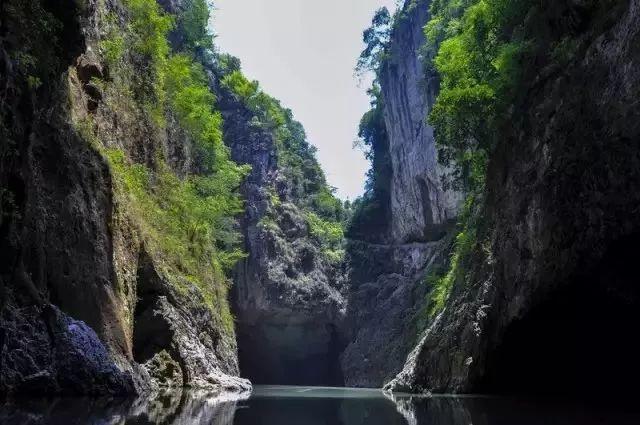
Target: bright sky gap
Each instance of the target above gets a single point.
(303, 53)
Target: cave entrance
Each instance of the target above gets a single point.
(290, 354)
(581, 341)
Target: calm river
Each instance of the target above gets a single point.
(279, 405)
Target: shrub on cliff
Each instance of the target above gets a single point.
(296, 158)
(186, 219)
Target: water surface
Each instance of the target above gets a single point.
(285, 405)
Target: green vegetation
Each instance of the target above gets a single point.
(329, 233)
(477, 48)
(186, 222)
(371, 211)
(148, 29)
(179, 220)
(478, 61)
(192, 26)
(466, 241)
(190, 100)
(486, 52)
(325, 214)
(483, 51)
(296, 157)
(375, 38)
(32, 36)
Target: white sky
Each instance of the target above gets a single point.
(303, 53)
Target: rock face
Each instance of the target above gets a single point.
(46, 351)
(386, 279)
(563, 196)
(387, 291)
(420, 205)
(55, 244)
(287, 296)
(177, 340)
(83, 303)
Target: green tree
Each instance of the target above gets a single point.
(371, 211)
(375, 38)
(478, 61)
(193, 25)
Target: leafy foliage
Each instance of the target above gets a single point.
(188, 222)
(483, 52)
(32, 34)
(190, 99)
(296, 157)
(478, 60)
(149, 27)
(296, 160)
(486, 52)
(375, 38)
(371, 211)
(193, 26)
(329, 233)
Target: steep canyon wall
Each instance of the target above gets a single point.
(560, 212)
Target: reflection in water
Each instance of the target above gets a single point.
(273, 405)
(178, 407)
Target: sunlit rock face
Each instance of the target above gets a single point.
(563, 191)
(420, 205)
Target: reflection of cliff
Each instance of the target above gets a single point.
(478, 410)
(432, 410)
(175, 408)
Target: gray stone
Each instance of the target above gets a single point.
(420, 204)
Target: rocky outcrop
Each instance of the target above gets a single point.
(55, 245)
(543, 310)
(45, 351)
(421, 206)
(287, 295)
(176, 338)
(387, 293)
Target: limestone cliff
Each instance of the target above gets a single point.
(92, 301)
(421, 206)
(387, 288)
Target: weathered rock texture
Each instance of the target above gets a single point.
(551, 308)
(386, 280)
(387, 293)
(82, 302)
(287, 295)
(420, 204)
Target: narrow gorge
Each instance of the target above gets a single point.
(165, 222)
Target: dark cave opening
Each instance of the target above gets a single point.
(152, 332)
(581, 340)
(290, 354)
